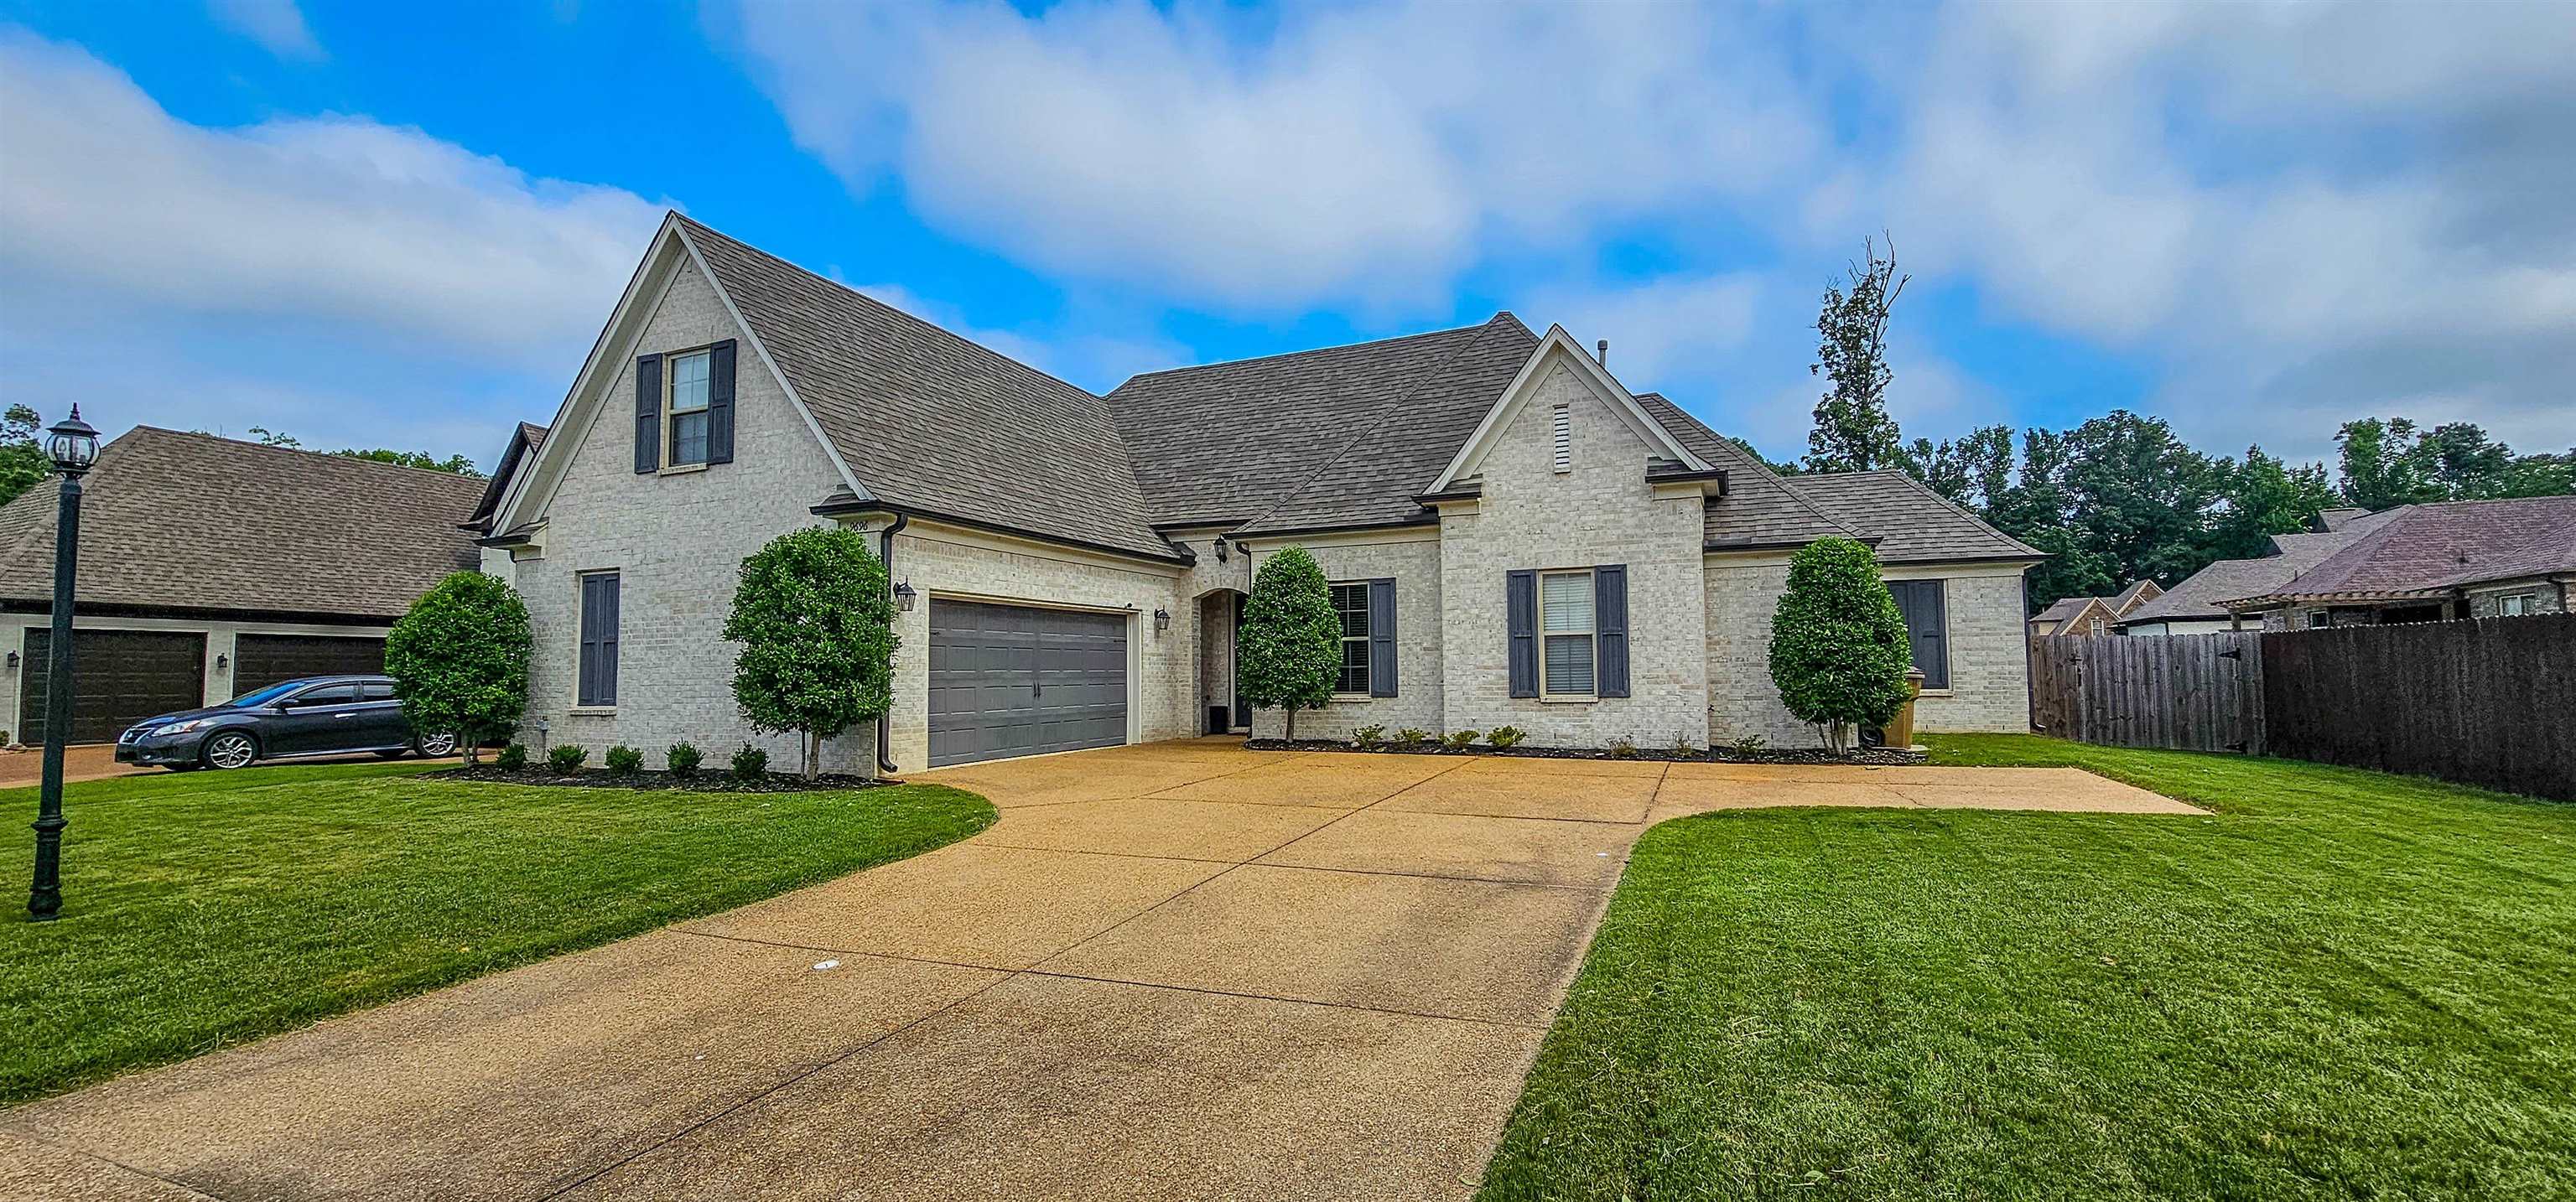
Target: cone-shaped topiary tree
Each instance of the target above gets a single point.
(1838, 648)
(459, 660)
(816, 625)
(1292, 640)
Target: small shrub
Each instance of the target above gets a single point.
(1682, 746)
(1505, 736)
(566, 758)
(1460, 740)
(1412, 735)
(1748, 746)
(623, 760)
(683, 759)
(750, 764)
(513, 758)
(1369, 736)
(1623, 748)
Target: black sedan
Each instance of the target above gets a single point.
(318, 715)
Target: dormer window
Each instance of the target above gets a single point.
(686, 409)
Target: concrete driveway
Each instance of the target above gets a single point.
(1180, 970)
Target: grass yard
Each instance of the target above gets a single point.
(207, 909)
(2340, 985)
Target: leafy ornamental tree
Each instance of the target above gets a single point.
(816, 624)
(23, 461)
(459, 660)
(458, 464)
(1838, 648)
(1853, 431)
(1292, 640)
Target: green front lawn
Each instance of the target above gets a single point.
(205, 909)
(2340, 984)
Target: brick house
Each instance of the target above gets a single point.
(2430, 563)
(2093, 615)
(1514, 538)
(210, 567)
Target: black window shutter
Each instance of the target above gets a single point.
(648, 413)
(1520, 607)
(608, 641)
(1381, 638)
(1921, 603)
(720, 402)
(1610, 625)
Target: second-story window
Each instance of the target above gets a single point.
(687, 416)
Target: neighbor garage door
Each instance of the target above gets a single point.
(120, 677)
(265, 659)
(1015, 680)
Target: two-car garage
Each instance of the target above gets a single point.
(1010, 680)
(124, 676)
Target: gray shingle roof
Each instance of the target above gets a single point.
(1910, 522)
(1251, 440)
(193, 521)
(523, 442)
(929, 421)
(1759, 508)
(2201, 595)
(2062, 609)
(2445, 545)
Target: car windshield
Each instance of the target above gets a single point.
(264, 696)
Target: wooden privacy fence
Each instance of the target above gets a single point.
(2196, 692)
(2489, 702)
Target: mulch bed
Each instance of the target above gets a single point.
(1881, 756)
(703, 782)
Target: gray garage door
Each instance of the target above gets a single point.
(265, 659)
(1010, 680)
(119, 677)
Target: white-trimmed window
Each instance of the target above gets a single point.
(2516, 606)
(2094, 626)
(1351, 605)
(1560, 433)
(1567, 645)
(685, 407)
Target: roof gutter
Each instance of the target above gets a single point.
(844, 505)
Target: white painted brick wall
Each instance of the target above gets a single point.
(1415, 568)
(677, 542)
(1989, 683)
(1601, 512)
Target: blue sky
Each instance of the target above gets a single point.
(368, 225)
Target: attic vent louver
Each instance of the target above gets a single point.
(1561, 432)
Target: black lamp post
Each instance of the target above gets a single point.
(74, 446)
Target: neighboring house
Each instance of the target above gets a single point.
(1513, 537)
(210, 567)
(2093, 615)
(2428, 563)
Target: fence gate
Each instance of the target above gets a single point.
(2190, 692)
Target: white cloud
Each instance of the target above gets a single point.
(1361, 155)
(354, 283)
(335, 219)
(276, 24)
(2306, 213)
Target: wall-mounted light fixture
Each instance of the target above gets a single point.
(220, 661)
(1220, 548)
(1162, 619)
(903, 596)
(13, 659)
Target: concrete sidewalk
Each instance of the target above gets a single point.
(1180, 970)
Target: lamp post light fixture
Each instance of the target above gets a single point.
(74, 447)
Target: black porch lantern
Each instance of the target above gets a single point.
(74, 447)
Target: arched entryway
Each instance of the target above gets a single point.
(1221, 708)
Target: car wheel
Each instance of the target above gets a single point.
(437, 746)
(231, 749)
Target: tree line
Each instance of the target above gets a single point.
(2121, 497)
